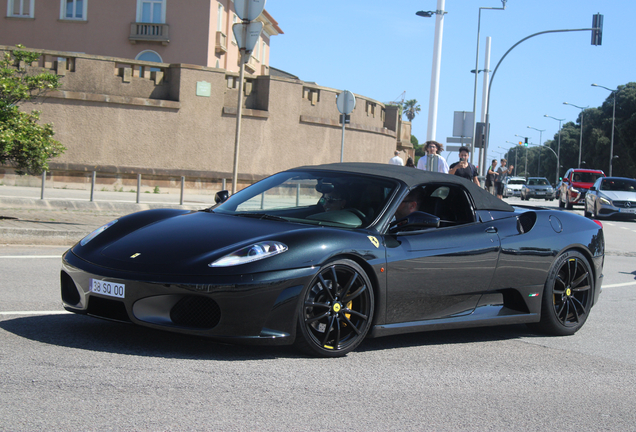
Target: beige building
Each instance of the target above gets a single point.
(122, 111)
(166, 31)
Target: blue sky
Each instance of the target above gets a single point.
(380, 49)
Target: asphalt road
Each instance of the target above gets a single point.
(60, 371)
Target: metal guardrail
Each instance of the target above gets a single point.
(138, 191)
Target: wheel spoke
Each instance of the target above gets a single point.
(328, 331)
(581, 289)
(345, 291)
(583, 310)
(349, 323)
(576, 313)
(310, 304)
(317, 318)
(355, 295)
(356, 313)
(325, 286)
(579, 280)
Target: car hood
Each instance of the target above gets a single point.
(183, 243)
(620, 195)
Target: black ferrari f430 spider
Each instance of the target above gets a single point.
(315, 256)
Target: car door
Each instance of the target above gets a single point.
(439, 272)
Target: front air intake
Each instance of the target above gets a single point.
(70, 294)
(196, 312)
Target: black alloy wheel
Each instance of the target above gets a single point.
(336, 310)
(568, 295)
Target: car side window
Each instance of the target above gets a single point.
(448, 202)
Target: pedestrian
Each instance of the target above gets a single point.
(409, 162)
(432, 161)
(491, 178)
(463, 168)
(396, 159)
(502, 172)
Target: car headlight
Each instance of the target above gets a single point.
(550, 190)
(251, 253)
(604, 200)
(97, 232)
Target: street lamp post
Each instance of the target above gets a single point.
(540, 144)
(581, 138)
(476, 71)
(437, 61)
(516, 152)
(558, 154)
(526, 167)
(613, 118)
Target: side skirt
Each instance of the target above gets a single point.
(482, 317)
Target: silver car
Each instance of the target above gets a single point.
(513, 186)
(537, 187)
(611, 196)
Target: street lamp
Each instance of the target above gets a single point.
(613, 117)
(437, 62)
(581, 139)
(526, 167)
(556, 179)
(540, 144)
(476, 71)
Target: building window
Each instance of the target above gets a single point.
(234, 19)
(219, 19)
(73, 9)
(149, 56)
(20, 8)
(151, 11)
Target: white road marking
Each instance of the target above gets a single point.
(618, 285)
(30, 256)
(57, 312)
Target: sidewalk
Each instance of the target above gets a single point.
(65, 216)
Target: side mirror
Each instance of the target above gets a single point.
(592, 188)
(413, 221)
(221, 196)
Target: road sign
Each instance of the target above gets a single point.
(463, 124)
(247, 34)
(452, 148)
(249, 9)
(346, 102)
(464, 140)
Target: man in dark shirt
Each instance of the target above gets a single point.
(463, 168)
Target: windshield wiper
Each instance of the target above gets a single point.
(262, 216)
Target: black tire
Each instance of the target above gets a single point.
(567, 296)
(586, 213)
(595, 212)
(335, 311)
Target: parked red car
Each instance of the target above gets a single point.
(575, 184)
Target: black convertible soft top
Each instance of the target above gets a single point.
(414, 177)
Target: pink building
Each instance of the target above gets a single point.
(195, 32)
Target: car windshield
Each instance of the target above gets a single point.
(313, 197)
(516, 181)
(619, 185)
(538, 182)
(586, 177)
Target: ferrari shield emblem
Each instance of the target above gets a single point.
(374, 240)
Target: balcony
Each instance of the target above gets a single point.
(149, 32)
(221, 42)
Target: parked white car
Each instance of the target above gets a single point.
(513, 186)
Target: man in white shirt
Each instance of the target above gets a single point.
(396, 160)
(432, 161)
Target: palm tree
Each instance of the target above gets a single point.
(410, 108)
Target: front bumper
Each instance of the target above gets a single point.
(256, 309)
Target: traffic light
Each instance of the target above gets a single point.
(597, 29)
(520, 143)
(526, 143)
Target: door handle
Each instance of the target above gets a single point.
(491, 230)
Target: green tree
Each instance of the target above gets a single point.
(24, 143)
(410, 108)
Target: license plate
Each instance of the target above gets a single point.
(628, 210)
(110, 289)
(540, 193)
